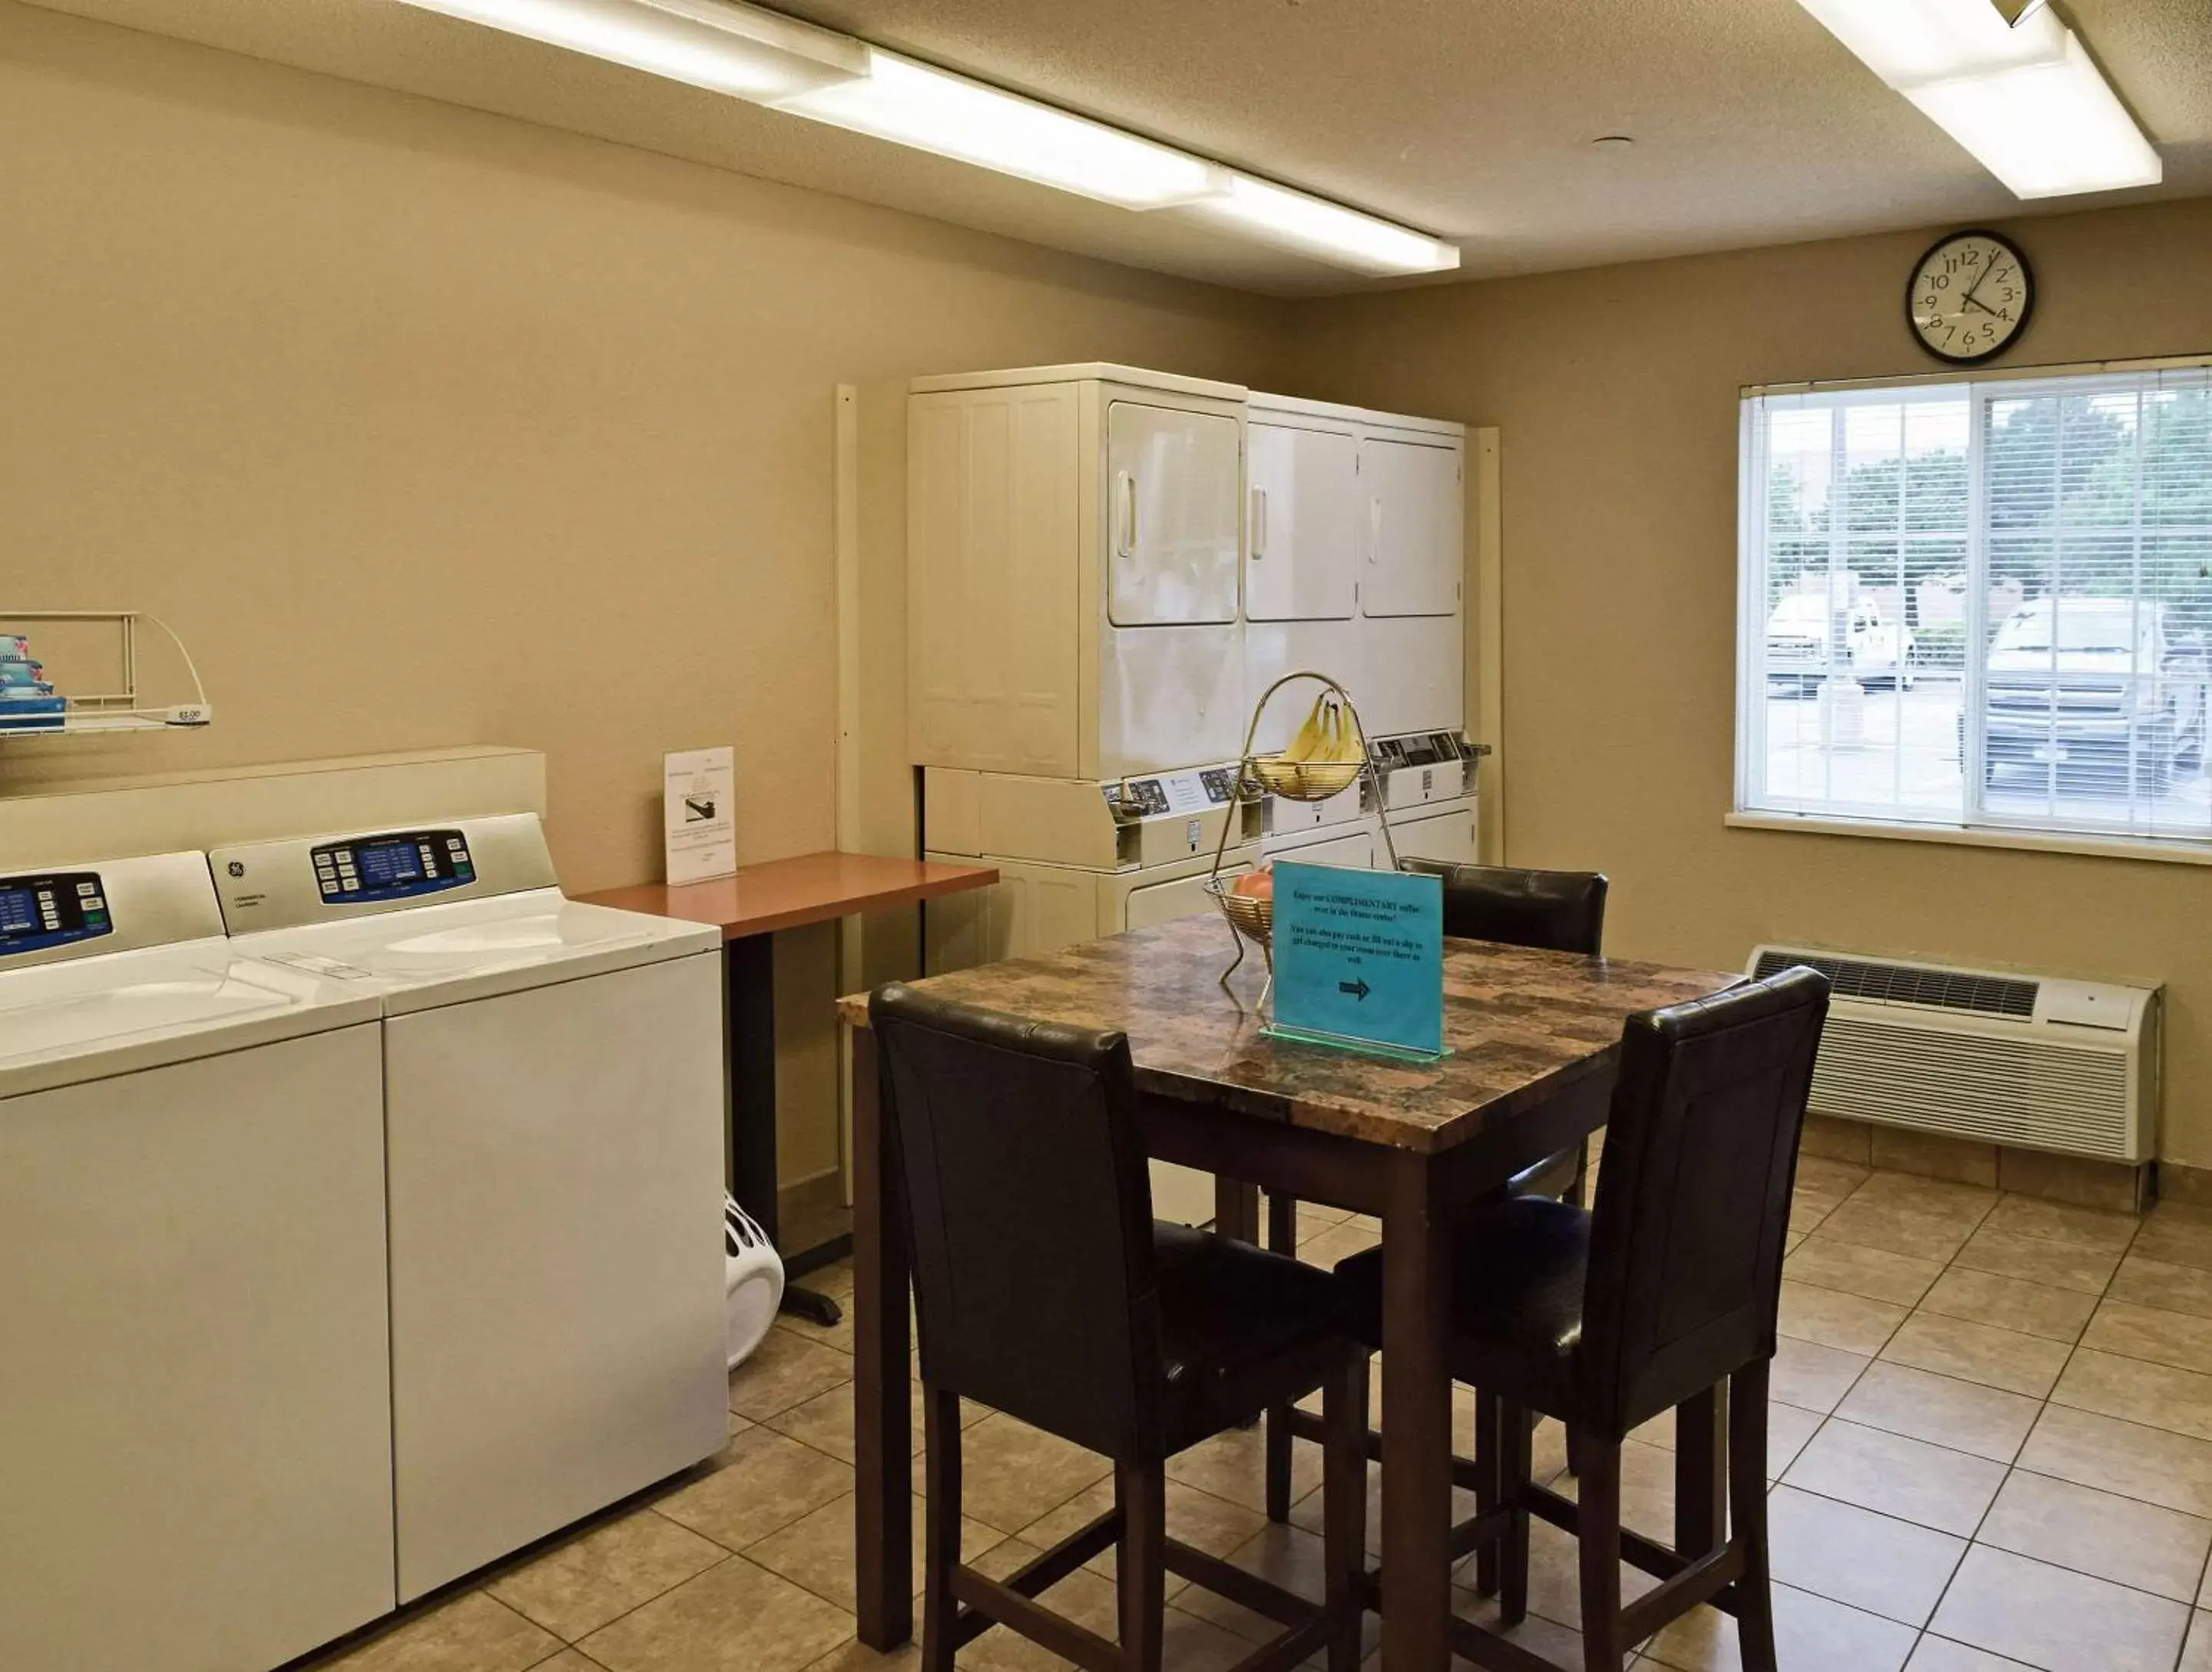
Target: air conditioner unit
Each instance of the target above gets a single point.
(2036, 1061)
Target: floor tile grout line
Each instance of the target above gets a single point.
(1981, 1521)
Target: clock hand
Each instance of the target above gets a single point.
(1974, 291)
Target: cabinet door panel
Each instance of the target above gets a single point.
(1446, 837)
(1172, 480)
(1302, 526)
(1415, 529)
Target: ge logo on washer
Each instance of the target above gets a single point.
(236, 867)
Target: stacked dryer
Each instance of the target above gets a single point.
(1106, 566)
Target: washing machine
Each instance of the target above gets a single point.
(195, 1419)
(554, 1109)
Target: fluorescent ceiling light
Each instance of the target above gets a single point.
(1338, 234)
(765, 57)
(737, 49)
(2024, 97)
(2045, 130)
(914, 104)
(1908, 41)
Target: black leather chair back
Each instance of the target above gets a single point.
(1694, 1199)
(1558, 911)
(1028, 1214)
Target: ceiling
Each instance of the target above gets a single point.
(1470, 119)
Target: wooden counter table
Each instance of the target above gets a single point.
(750, 908)
(1533, 1037)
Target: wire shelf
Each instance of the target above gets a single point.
(106, 713)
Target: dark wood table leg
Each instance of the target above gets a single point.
(882, 1393)
(1237, 1209)
(1701, 1472)
(1416, 1423)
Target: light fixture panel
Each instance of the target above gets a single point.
(2045, 130)
(933, 110)
(1906, 42)
(1343, 236)
(2009, 82)
(765, 57)
(741, 51)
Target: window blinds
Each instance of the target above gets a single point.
(1982, 603)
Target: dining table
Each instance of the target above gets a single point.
(1532, 1041)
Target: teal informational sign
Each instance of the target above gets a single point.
(1360, 957)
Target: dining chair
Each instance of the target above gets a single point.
(1558, 911)
(1045, 1288)
(1664, 1290)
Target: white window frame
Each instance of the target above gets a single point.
(1976, 826)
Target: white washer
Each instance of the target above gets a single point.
(553, 1111)
(195, 1417)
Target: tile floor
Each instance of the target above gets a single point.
(1991, 1446)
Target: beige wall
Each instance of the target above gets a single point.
(425, 426)
(1616, 389)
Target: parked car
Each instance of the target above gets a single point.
(1800, 637)
(2096, 686)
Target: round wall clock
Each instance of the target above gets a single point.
(1969, 297)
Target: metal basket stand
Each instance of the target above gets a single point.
(1259, 776)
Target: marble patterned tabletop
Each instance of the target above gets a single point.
(1520, 1025)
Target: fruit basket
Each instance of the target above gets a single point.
(1324, 759)
(1327, 757)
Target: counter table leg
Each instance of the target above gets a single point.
(883, 1392)
(751, 969)
(1417, 1417)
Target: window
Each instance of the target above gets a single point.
(1981, 604)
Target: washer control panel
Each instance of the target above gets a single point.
(399, 865)
(52, 909)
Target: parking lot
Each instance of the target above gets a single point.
(1905, 757)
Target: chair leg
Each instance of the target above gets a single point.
(1754, 1611)
(1489, 1465)
(1513, 1480)
(1142, 1492)
(941, 1527)
(1282, 1238)
(1577, 1191)
(1344, 1507)
(1599, 1519)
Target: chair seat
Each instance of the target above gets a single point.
(1518, 1272)
(1240, 1329)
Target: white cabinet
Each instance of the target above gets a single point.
(1172, 504)
(1303, 519)
(1415, 527)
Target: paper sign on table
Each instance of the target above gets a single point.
(699, 823)
(1359, 957)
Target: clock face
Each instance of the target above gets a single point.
(1969, 297)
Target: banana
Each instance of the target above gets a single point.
(1311, 740)
(1329, 736)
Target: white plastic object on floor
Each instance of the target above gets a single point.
(755, 1281)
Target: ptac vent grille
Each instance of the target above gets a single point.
(1909, 984)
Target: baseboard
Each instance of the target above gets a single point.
(811, 1213)
(2079, 1180)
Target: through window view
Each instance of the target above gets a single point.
(1981, 604)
